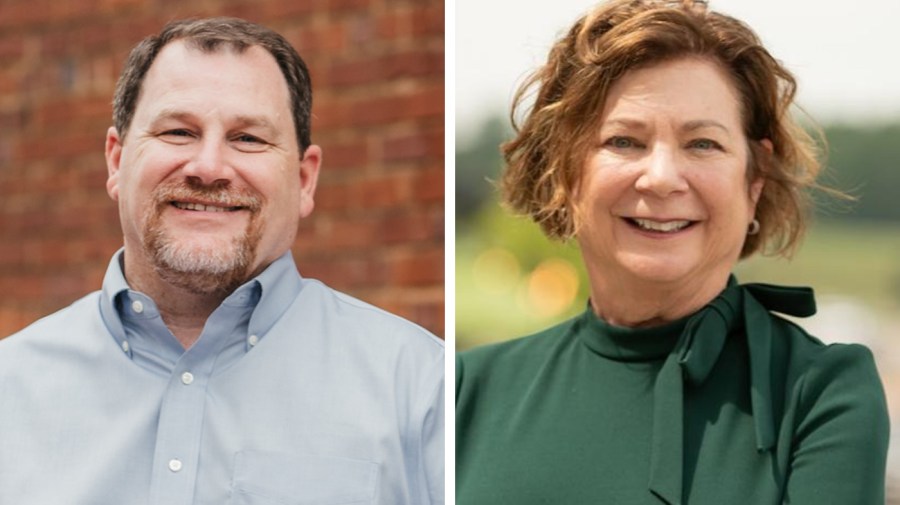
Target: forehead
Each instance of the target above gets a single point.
(686, 88)
(224, 81)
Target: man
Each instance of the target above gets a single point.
(207, 370)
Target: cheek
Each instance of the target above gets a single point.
(601, 187)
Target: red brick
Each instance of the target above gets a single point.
(421, 268)
(321, 40)
(413, 227)
(330, 114)
(364, 70)
(428, 20)
(120, 6)
(429, 186)
(414, 146)
(280, 11)
(19, 15)
(416, 63)
(348, 274)
(61, 146)
(343, 155)
(355, 72)
(347, 235)
(361, 32)
(12, 121)
(393, 25)
(391, 190)
(344, 5)
(11, 49)
(422, 102)
(332, 197)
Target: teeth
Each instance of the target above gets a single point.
(667, 226)
(201, 207)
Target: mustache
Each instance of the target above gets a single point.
(210, 194)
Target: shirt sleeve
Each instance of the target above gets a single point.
(432, 437)
(841, 432)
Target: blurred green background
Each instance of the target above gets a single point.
(511, 281)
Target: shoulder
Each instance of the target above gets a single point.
(57, 329)
(513, 360)
(809, 361)
(841, 375)
(56, 342)
(339, 315)
(828, 383)
(835, 429)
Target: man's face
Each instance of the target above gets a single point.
(209, 179)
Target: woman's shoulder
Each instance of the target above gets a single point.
(806, 354)
(524, 347)
(794, 352)
(514, 357)
(827, 377)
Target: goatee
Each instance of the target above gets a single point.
(203, 269)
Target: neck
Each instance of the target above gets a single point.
(638, 303)
(184, 311)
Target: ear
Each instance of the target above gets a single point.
(757, 185)
(309, 176)
(113, 159)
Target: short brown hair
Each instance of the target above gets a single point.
(210, 35)
(545, 159)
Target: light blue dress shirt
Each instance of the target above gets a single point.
(293, 394)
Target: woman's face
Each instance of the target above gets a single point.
(664, 195)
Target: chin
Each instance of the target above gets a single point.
(657, 267)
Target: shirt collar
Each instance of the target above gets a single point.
(273, 291)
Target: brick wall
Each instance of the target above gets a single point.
(377, 69)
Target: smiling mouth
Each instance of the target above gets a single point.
(660, 226)
(203, 208)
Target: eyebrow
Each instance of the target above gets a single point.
(257, 121)
(242, 120)
(626, 122)
(166, 114)
(689, 126)
(704, 123)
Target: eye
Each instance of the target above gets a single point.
(619, 142)
(177, 135)
(248, 139)
(248, 143)
(705, 144)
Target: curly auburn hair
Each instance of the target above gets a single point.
(546, 158)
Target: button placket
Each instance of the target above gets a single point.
(178, 433)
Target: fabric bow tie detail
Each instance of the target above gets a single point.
(738, 307)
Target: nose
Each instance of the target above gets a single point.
(209, 165)
(661, 173)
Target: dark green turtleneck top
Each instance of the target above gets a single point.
(731, 405)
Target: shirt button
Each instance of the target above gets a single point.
(175, 465)
(137, 306)
(187, 378)
(253, 340)
(125, 346)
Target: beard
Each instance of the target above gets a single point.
(214, 268)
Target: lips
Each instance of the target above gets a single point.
(190, 196)
(204, 207)
(660, 226)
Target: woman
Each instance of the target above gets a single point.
(660, 139)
